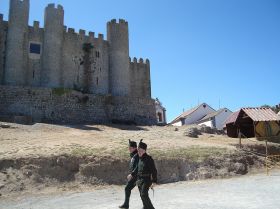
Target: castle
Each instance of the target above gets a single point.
(54, 57)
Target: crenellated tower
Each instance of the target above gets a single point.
(51, 75)
(117, 36)
(2, 48)
(17, 43)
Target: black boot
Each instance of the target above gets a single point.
(124, 206)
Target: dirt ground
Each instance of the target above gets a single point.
(39, 140)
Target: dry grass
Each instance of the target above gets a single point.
(46, 140)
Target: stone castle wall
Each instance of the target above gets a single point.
(68, 106)
(140, 75)
(36, 61)
(3, 34)
(68, 59)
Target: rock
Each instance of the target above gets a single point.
(28, 173)
(176, 129)
(238, 168)
(206, 129)
(192, 132)
(190, 176)
(5, 125)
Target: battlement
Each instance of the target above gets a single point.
(52, 6)
(82, 32)
(119, 22)
(19, 3)
(91, 35)
(71, 30)
(100, 36)
(36, 25)
(140, 61)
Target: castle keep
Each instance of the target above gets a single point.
(56, 57)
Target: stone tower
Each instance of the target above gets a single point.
(117, 36)
(17, 43)
(52, 46)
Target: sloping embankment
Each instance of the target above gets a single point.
(23, 174)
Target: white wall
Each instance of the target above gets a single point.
(208, 123)
(220, 119)
(198, 114)
(179, 123)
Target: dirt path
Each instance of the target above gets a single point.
(246, 192)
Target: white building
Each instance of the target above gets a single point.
(216, 119)
(193, 115)
(160, 112)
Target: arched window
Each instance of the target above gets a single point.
(159, 116)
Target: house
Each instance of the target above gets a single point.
(193, 115)
(160, 112)
(216, 119)
(262, 123)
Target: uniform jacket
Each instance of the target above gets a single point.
(146, 169)
(133, 162)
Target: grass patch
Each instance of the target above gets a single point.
(83, 151)
(194, 153)
(60, 91)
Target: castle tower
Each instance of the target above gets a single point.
(117, 35)
(17, 43)
(52, 46)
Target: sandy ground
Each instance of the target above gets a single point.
(46, 140)
(247, 192)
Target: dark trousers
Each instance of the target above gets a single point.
(144, 187)
(129, 186)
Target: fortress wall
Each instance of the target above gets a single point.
(3, 34)
(58, 106)
(140, 78)
(17, 43)
(71, 59)
(85, 68)
(36, 36)
(51, 74)
(118, 38)
(100, 67)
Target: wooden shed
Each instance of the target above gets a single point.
(262, 123)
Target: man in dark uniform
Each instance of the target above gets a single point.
(146, 175)
(131, 183)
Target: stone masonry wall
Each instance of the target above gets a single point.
(3, 34)
(140, 78)
(68, 106)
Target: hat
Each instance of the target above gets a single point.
(132, 143)
(142, 145)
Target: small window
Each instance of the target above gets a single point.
(97, 54)
(35, 48)
(97, 81)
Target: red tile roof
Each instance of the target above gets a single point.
(232, 118)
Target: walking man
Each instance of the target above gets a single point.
(131, 183)
(146, 175)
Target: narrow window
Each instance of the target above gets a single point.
(97, 81)
(35, 48)
(97, 54)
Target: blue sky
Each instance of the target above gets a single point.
(200, 50)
